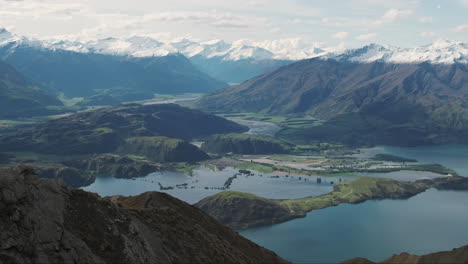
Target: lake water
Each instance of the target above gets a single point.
(452, 156)
(429, 222)
(403, 175)
(206, 182)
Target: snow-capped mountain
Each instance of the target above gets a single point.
(139, 46)
(125, 69)
(283, 49)
(439, 52)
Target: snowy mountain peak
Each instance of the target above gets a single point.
(6, 36)
(442, 51)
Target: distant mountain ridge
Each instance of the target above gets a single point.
(441, 51)
(242, 59)
(375, 102)
(78, 74)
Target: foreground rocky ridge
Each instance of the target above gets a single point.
(43, 221)
(243, 210)
(455, 256)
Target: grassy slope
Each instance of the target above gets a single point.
(245, 144)
(353, 192)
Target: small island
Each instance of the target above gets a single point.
(243, 210)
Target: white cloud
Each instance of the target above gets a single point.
(461, 28)
(388, 3)
(367, 37)
(393, 15)
(276, 31)
(427, 34)
(426, 19)
(341, 35)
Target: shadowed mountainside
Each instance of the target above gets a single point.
(87, 74)
(43, 221)
(19, 97)
(377, 102)
(143, 129)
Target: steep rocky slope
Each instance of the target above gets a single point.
(455, 256)
(374, 102)
(43, 221)
(19, 97)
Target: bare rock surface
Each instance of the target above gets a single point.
(43, 221)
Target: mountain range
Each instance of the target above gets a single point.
(371, 102)
(243, 59)
(80, 74)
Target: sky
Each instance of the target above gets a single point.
(347, 23)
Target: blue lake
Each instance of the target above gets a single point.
(452, 156)
(206, 182)
(429, 222)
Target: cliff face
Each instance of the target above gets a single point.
(43, 221)
(456, 256)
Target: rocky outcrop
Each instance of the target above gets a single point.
(72, 177)
(244, 210)
(455, 256)
(43, 221)
(245, 144)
